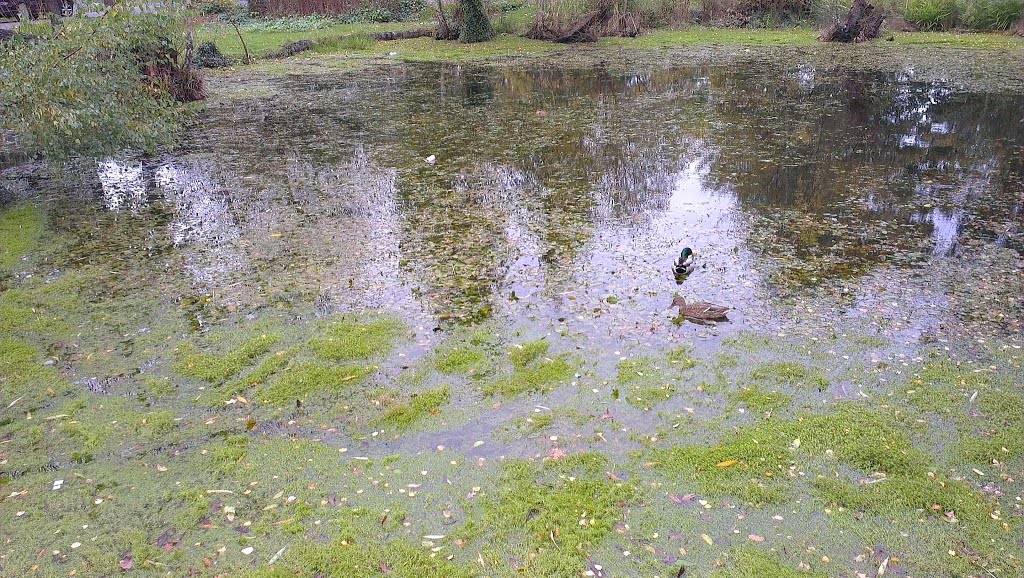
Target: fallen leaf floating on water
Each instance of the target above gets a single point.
(556, 453)
(681, 499)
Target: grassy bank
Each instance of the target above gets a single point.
(262, 42)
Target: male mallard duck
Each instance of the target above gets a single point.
(699, 311)
(684, 263)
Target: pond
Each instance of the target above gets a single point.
(864, 227)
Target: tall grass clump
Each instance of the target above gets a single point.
(991, 14)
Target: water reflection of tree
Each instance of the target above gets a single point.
(832, 171)
(531, 162)
(580, 146)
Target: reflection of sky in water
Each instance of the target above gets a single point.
(123, 184)
(946, 226)
(622, 173)
(203, 222)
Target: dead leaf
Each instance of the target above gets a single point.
(556, 454)
(755, 538)
(727, 463)
(126, 563)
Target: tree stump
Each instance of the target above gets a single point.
(862, 22)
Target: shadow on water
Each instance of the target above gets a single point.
(562, 193)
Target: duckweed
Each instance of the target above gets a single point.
(552, 515)
(462, 360)
(682, 357)
(25, 383)
(789, 373)
(20, 229)
(348, 340)
(749, 562)
(532, 377)
(760, 401)
(524, 354)
(300, 381)
(214, 368)
(753, 464)
(402, 416)
(644, 382)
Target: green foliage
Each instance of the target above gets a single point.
(476, 27)
(645, 383)
(947, 389)
(289, 24)
(349, 42)
(208, 7)
(362, 557)
(79, 90)
(525, 427)
(264, 371)
(966, 516)
(348, 340)
(931, 14)
(992, 14)
(20, 229)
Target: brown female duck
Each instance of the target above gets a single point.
(699, 311)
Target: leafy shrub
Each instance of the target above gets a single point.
(289, 24)
(992, 14)
(504, 6)
(217, 6)
(661, 12)
(369, 14)
(504, 25)
(932, 14)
